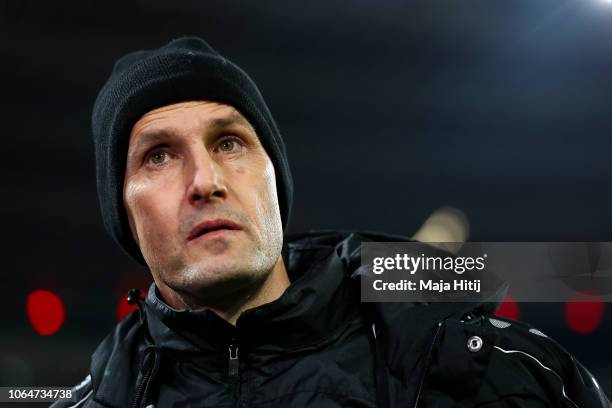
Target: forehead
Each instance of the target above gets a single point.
(190, 114)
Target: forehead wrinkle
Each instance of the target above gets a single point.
(227, 120)
(159, 114)
(139, 134)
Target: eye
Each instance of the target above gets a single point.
(230, 145)
(157, 157)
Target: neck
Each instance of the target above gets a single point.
(230, 308)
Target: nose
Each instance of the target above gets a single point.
(205, 178)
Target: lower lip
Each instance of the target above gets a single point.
(215, 233)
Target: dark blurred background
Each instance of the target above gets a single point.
(389, 109)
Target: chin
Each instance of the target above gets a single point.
(199, 269)
(209, 273)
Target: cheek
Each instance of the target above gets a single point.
(137, 198)
(150, 210)
(267, 201)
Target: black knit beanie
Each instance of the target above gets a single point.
(182, 70)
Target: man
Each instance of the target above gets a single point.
(193, 182)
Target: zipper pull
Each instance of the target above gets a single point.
(233, 364)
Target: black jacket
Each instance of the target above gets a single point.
(319, 346)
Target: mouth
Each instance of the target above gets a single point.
(213, 228)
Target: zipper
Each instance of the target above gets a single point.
(233, 364)
(149, 371)
(427, 363)
(233, 371)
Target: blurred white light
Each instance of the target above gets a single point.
(445, 225)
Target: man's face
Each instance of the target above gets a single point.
(200, 193)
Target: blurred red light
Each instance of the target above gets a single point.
(584, 317)
(45, 311)
(508, 309)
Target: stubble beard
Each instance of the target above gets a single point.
(218, 277)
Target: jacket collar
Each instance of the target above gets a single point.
(320, 283)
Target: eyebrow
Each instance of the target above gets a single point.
(163, 135)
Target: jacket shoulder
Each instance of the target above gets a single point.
(519, 361)
(110, 357)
